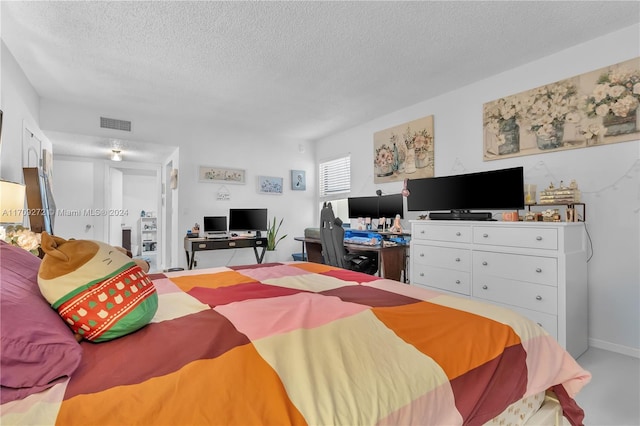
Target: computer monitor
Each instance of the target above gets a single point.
(215, 224)
(247, 219)
(391, 205)
(362, 207)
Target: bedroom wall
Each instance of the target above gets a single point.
(19, 103)
(608, 176)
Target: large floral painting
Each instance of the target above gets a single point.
(597, 108)
(404, 151)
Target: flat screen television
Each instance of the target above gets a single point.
(215, 224)
(501, 189)
(390, 205)
(247, 219)
(362, 207)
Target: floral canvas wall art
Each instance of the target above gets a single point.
(596, 108)
(270, 185)
(220, 175)
(404, 151)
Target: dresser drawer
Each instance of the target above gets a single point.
(547, 321)
(449, 233)
(535, 269)
(535, 297)
(445, 257)
(441, 278)
(539, 238)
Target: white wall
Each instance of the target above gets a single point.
(609, 176)
(258, 155)
(19, 102)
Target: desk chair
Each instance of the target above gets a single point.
(333, 250)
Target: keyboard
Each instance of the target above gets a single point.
(363, 241)
(216, 235)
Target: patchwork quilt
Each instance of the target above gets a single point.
(304, 343)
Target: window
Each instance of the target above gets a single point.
(335, 177)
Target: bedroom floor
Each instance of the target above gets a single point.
(612, 398)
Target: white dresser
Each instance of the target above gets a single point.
(538, 269)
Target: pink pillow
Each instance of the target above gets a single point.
(38, 349)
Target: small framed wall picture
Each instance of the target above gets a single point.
(220, 175)
(298, 180)
(270, 185)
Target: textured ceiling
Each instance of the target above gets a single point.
(294, 69)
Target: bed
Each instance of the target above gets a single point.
(283, 343)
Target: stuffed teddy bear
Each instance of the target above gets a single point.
(99, 291)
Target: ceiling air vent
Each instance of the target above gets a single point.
(112, 123)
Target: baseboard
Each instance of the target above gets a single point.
(613, 347)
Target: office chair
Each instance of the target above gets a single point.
(333, 250)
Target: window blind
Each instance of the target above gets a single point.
(335, 176)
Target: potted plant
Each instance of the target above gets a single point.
(272, 234)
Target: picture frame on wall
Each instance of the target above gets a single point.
(596, 108)
(214, 174)
(270, 185)
(298, 180)
(404, 151)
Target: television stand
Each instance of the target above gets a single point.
(460, 215)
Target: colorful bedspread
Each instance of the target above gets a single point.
(303, 343)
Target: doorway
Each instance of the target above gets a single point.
(167, 204)
(135, 206)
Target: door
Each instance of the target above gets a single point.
(74, 199)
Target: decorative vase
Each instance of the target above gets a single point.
(421, 161)
(594, 140)
(510, 130)
(384, 170)
(401, 160)
(619, 125)
(410, 161)
(553, 139)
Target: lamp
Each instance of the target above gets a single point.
(116, 155)
(11, 202)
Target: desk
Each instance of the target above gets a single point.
(192, 245)
(391, 259)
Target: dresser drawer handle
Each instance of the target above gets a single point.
(421, 254)
(458, 234)
(484, 287)
(484, 263)
(540, 325)
(422, 274)
(539, 238)
(457, 259)
(485, 235)
(457, 281)
(538, 297)
(538, 270)
(422, 231)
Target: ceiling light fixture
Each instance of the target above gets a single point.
(116, 155)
